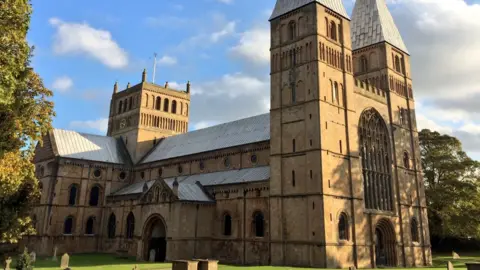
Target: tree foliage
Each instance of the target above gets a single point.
(451, 186)
(25, 116)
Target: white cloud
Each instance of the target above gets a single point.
(227, 30)
(62, 84)
(99, 125)
(225, 1)
(167, 61)
(203, 124)
(80, 38)
(254, 46)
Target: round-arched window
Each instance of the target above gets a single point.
(201, 165)
(142, 175)
(253, 158)
(122, 175)
(160, 172)
(180, 169)
(226, 162)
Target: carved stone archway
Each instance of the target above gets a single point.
(155, 239)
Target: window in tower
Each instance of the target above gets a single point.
(397, 64)
(343, 227)
(120, 106)
(165, 105)
(376, 162)
(292, 30)
(327, 29)
(174, 106)
(112, 224)
(72, 198)
(293, 178)
(414, 230)
(333, 30)
(227, 224)
(158, 103)
(335, 92)
(293, 146)
(130, 103)
(125, 105)
(406, 160)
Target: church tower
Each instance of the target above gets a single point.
(145, 113)
(311, 68)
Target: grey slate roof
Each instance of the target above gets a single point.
(240, 132)
(71, 144)
(190, 187)
(283, 7)
(372, 23)
(225, 177)
(135, 188)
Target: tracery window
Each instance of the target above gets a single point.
(333, 30)
(130, 225)
(343, 227)
(112, 224)
(291, 30)
(376, 161)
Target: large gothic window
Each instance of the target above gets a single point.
(375, 155)
(343, 227)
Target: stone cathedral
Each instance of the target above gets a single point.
(329, 178)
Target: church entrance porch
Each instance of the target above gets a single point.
(385, 244)
(155, 240)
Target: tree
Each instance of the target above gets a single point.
(25, 117)
(451, 186)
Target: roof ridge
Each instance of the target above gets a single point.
(82, 133)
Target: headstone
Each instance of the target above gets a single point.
(54, 258)
(135, 267)
(8, 261)
(65, 261)
(450, 266)
(455, 255)
(352, 268)
(33, 256)
(151, 257)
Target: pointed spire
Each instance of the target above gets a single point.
(144, 75)
(175, 187)
(128, 85)
(283, 7)
(188, 87)
(166, 84)
(115, 87)
(372, 23)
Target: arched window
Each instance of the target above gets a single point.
(186, 109)
(335, 92)
(406, 160)
(146, 100)
(72, 198)
(343, 227)
(158, 102)
(333, 31)
(112, 225)
(174, 106)
(227, 225)
(398, 67)
(327, 27)
(165, 105)
(414, 230)
(130, 225)
(376, 161)
(363, 64)
(291, 30)
(89, 226)
(181, 108)
(258, 224)
(94, 196)
(120, 106)
(68, 225)
(130, 103)
(125, 105)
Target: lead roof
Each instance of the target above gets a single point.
(283, 7)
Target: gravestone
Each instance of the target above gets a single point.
(8, 261)
(450, 266)
(135, 267)
(65, 261)
(33, 256)
(352, 268)
(151, 256)
(54, 258)
(455, 255)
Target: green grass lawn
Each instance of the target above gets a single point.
(101, 261)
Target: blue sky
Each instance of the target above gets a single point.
(221, 46)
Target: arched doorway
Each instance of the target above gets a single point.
(155, 240)
(385, 244)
